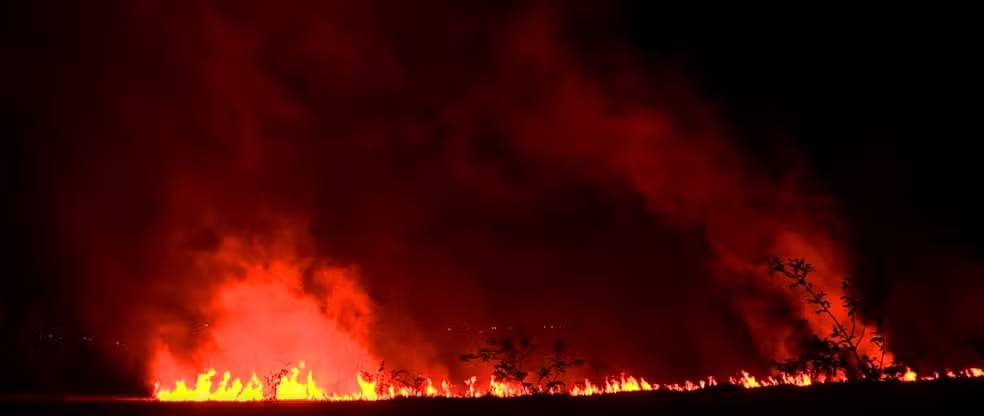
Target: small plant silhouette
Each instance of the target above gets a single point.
(402, 379)
(398, 379)
(548, 377)
(509, 355)
(273, 379)
(838, 352)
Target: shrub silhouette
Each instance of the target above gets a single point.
(839, 352)
(399, 379)
(510, 355)
(274, 378)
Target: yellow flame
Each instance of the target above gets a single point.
(300, 384)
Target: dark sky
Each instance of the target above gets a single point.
(874, 106)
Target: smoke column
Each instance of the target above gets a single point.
(374, 173)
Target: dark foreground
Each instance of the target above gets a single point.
(937, 397)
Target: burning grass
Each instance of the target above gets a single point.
(301, 385)
(847, 354)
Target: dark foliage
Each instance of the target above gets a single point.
(840, 351)
(273, 380)
(510, 356)
(399, 379)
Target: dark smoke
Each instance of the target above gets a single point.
(488, 164)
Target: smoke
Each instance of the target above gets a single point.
(275, 307)
(345, 181)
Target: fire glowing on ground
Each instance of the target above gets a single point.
(300, 384)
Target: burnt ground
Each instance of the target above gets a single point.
(937, 397)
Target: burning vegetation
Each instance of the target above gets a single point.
(331, 184)
(835, 358)
(291, 387)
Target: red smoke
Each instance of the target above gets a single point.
(439, 165)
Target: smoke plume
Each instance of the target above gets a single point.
(245, 183)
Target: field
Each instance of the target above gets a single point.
(942, 396)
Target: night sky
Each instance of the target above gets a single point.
(468, 191)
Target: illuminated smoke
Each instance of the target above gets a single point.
(435, 164)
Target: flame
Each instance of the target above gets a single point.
(296, 324)
(296, 387)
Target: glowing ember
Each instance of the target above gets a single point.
(300, 384)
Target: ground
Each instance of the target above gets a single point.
(944, 396)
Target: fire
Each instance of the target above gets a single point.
(300, 384)
(223, 392)
(264, 292)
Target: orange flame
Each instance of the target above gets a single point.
(265, 295)
(295, 387)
